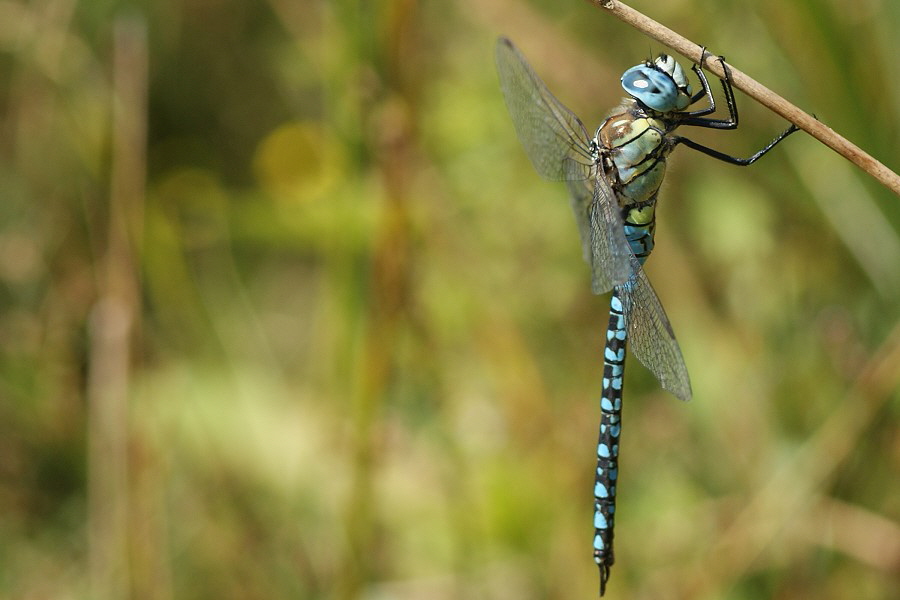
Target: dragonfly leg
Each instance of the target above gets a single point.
(742, 162)
(697, 120)
(705, 90)
(730, 123)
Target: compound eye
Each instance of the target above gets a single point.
(652, 87)
(639, 82)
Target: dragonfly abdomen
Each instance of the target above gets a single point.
(639, 227)
(608, 439)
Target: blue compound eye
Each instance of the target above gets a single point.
(653, 87)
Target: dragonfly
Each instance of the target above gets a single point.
(613, 179)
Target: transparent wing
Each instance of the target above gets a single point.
(581, 196)
(603, 242)
(548, 130)
(559, 148)
(650, 334)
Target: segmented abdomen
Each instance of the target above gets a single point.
(608, 441)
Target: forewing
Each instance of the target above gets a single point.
(549, 131)
(650, 334)
(559, 148)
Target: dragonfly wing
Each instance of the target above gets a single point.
(558, 145)
(581, 197)
(554, 138)
(603, 242)
(612, 261)
(650, 334)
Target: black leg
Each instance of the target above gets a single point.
(742, 162)
(704, 91)
(732, 121)
(696, 118)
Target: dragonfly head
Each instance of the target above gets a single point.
(661, 84)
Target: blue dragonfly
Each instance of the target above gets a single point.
(613, 180)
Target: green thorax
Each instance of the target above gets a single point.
(637, 149)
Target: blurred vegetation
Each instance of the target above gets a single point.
(319, 331)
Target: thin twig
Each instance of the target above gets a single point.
(115, 321)
(757, 91)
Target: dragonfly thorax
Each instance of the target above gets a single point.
(661, 85)
(635, 149)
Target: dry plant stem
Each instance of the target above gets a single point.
(115, 322)
(757, 91)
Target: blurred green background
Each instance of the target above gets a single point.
(286, 313)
